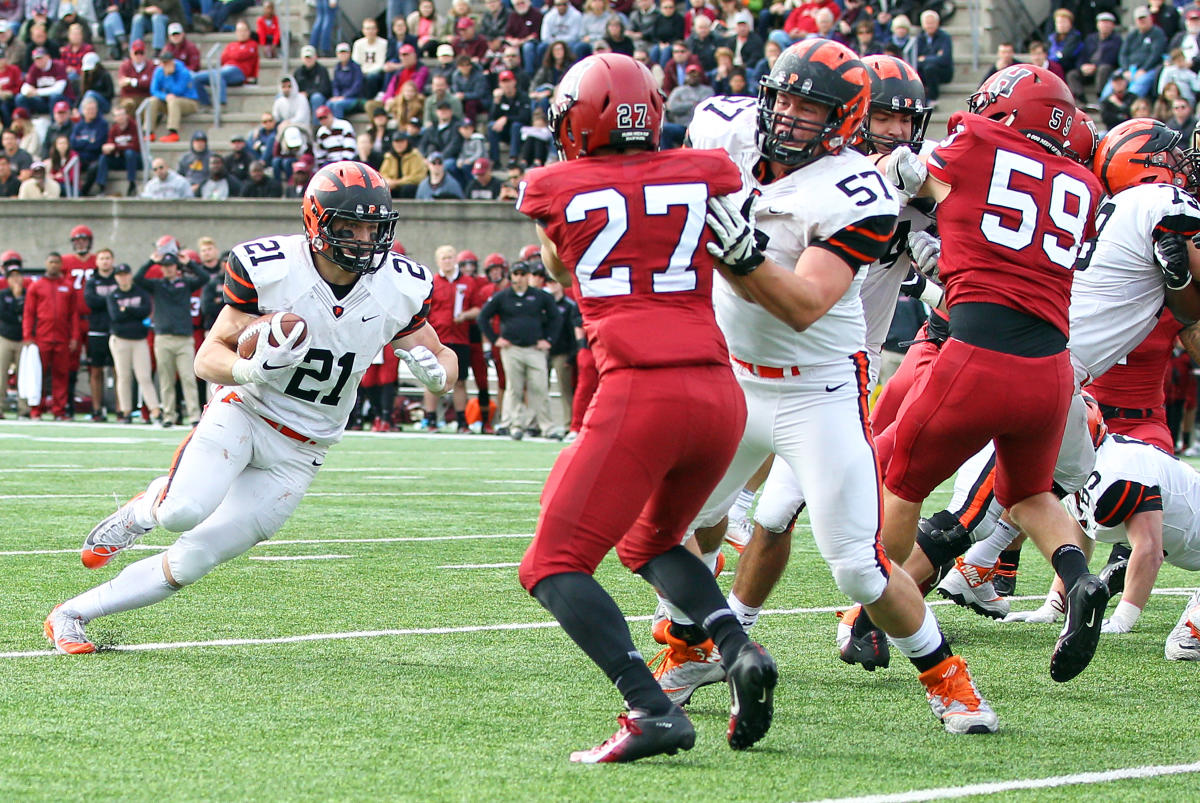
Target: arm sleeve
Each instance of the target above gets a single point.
(419, 319)
(139, 276)
(1123, 499)
(240, 292)
(862, 242)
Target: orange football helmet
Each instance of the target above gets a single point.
(1145, 151)
(349, 191)
(1097, 429)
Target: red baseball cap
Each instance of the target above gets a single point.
(323, 111)
(507, 75)
(62, 106)
(137, 46)
(464, 23)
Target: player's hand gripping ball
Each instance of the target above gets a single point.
(270, 345)
(278, 325)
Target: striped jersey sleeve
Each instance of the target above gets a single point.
(1123, 499)
(862, 242)
(240, 292)
(418, 320)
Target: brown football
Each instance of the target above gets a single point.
(278, 325)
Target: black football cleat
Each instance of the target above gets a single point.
(1113, 575)
(1005, 580)
(870, 649)
(752, 677)
(642, 735)
(1085, 614)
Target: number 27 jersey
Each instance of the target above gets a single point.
(631, 229)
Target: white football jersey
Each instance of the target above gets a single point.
(1118, 288)
(315, 397)
(809, 204)
(1126, 466)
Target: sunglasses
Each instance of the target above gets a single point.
(435, 161)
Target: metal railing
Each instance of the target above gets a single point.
(213, 59)
(145, 126)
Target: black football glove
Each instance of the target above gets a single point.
(1171, 254)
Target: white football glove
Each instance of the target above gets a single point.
(925, 250)
(425, 367)
(270, 361)
(1050, 612)
(736, 241)
(906, 171)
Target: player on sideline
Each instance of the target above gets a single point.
(627, 223)
(1006, 262)
(243, 470)
(794, 322)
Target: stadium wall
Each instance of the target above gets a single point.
(131, 226)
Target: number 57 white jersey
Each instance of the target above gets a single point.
(277, 274)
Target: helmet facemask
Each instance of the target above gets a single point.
(777, 131)
(351, 254)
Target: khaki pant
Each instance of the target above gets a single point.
(132, 358)
(565, 371)
(10, 355)
(176, 354)
(176, 109)
(526, 397)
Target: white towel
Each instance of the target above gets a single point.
(29, 375)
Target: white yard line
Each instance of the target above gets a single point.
(1053, 782)
(480, 565)
(310, 493)
(299, 557)
(289, 541)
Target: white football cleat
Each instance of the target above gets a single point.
(65, 632)
(681, 668)
(955, 700)
(738, 533)
(1184, 642)
(118, 531)
(971, 586)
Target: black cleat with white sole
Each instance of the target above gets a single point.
(641, 735)
(752, 677)
(1085, 614)
(870, 650)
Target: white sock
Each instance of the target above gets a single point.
(927, 638)
(143, 507)
(741, 505)
(710, 559)
(673, 613)
(746, 614)
(138, 585)
(987, 551)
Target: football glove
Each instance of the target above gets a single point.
(425, 368)
(906, 172)
(1123, 618)
(1050, 612)
(926, 250)
(1171, 254)
(270, 361)
(737, 243)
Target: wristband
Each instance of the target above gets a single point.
(1126, 614)
(932, 295)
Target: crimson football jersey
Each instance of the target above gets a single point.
(1014, 220)
(1137, 381)
(631, 229)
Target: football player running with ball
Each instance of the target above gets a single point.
(243, 470)
(626, 223)
(794, 321)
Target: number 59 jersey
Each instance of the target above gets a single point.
(839, 202)
(631, 229)
(1014, 221)
(277, 275)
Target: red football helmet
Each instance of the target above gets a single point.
(531, 250)
(494, 260)
(895, 87)
(1030, 99)
(398, 248)
(11, 257)
(1097, 429)
(81, 232)
(606, 100)
(1081, 141)
(466, 256)
(822, 71)
(1145, 151)
(189, 255)
(349, 191)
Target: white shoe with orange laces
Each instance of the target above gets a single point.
(681, 668)
(65, 632)
(118, 531)
(955, 700)
(971, 586)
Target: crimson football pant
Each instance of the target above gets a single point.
(916, 363)
(586, 380)
(639, 472)
(971, 396)
(57, 364)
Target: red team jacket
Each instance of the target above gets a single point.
(51, 315)
(1037, 207)
(449, 298)
(633, 228)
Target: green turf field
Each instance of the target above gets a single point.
(428, 673)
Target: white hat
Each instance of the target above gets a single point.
(90, 61)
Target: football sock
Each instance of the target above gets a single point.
(594, 622)
(1069, 563)
(690, 585)
(461, 417)
(746, 614)
(710, 559)
(689, 633)
(927, 647)
(987, 551)
(741, 505)
(674, 612)
(138, 585)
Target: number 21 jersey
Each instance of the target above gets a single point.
(1014, 220)
(631, 229)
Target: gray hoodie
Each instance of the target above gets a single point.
(292, 108)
